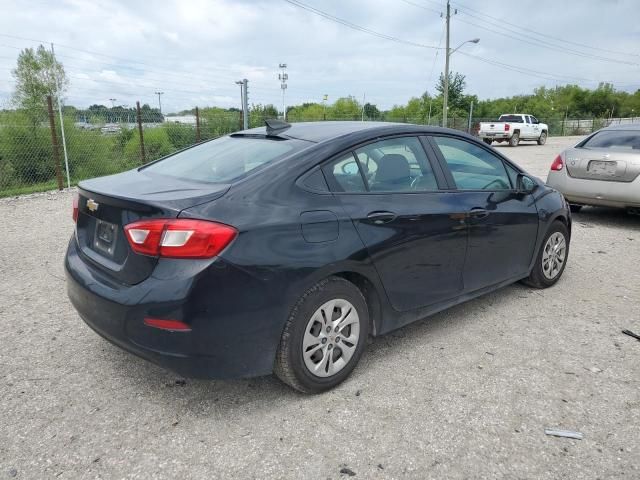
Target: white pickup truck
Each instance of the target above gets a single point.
(512, 128)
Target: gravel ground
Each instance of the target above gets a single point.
(465, 394)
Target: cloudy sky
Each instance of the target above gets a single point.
(195, 50)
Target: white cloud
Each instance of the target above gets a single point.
(194, 50)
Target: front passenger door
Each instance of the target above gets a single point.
(502, 223)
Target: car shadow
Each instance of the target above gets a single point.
(202, 397)
(589, 217)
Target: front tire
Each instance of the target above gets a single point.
(542, 139)
(514, 140)
(324, 337)
(551, 259)
(488, 141)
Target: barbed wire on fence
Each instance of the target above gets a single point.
(31, 156)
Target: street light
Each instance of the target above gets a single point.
(159, 101)
(445, 99)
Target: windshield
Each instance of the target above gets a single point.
(511, 118)
(614, 140)
(224, 159)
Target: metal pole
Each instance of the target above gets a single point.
(197, 125)
(364, 97)
(241, 83)
(64, 140)
(470, 117)
(445, 96)
(143, 156)
(283, 77)
(54, 143)
(245, 103)
(159, 101)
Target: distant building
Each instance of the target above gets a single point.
(182, 119)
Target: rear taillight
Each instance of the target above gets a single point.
(557, 164)
(75, 208)
(179, 238)
(506, 127)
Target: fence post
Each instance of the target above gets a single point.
(54, 143)
(139, 116)
(197, 125)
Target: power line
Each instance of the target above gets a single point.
(502, 21)
(354, 26)
(544, 44)
(409, 2)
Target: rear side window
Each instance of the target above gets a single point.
(345, 174)
(614, 140)
(473, 167)
(225, 159)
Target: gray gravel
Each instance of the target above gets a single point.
(465, 394)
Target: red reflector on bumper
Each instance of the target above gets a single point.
(172, 325)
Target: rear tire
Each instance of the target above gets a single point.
(575, 208)
(314, 355)
(542, 139)
(514, 140)
(551, 259)
(488, 141)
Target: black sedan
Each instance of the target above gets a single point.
(280, 249)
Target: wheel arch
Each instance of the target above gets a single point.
(370, 294)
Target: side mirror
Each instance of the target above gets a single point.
(524, 184)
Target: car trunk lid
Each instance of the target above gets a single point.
(107, 204)
(602, 164)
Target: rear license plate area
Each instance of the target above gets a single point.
(602, 168)
(105, 237)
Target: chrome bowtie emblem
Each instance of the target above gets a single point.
(92, 205)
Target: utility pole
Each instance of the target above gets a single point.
(445, 96)
(159, 101)
(283, 77)
(470, 118)
(113, 102)
(325, 97)
(364, 97)
(64, 140)
(244, 102)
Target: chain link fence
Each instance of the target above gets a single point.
(35, 155)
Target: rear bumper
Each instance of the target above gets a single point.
(229, 344)
(495, 136)
(596, 192)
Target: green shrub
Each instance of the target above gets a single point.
(156, 145)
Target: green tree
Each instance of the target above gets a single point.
(36, 74)
(371, 111)
(457, 84)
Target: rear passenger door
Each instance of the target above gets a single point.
(398, 202)
(503, 224)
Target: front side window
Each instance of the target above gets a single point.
(225, 159)
(473, 167)
(397, 165)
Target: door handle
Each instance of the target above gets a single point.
(381, 217)
(478, 213)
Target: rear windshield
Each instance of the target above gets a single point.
(614, 140)
(511, 118)
(224, 159)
